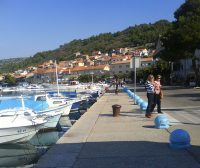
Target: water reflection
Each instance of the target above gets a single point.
(12, 155)
(17, 154)
(45, 138)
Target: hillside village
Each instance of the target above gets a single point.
(118, 62)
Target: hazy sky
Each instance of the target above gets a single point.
(31, 26)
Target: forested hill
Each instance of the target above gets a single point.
(133, 36)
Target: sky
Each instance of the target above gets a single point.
(31, 26)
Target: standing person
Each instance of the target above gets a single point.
(149, 86)
(116, 88)
(157, 86)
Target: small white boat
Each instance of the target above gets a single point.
(55, 103)
(8, 89)
(16, 128)
(35, 87)
(51, 114)
(51, 117)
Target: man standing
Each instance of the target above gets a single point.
(149, 86)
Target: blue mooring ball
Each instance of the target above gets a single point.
(136, 97)
(143, 106)
(161, 121)
(139, 101)
(132, 95)
(179, 138)
(125, 89)
(129, 93)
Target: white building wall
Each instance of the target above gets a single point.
(186, 65)
(120, 68)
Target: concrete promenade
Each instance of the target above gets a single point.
(99, 140)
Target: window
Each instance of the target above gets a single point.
(120, 66)
(127, 66)
(57, 102)
(120, 71)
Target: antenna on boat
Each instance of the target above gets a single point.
(57, 78)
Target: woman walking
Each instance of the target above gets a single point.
(149, 86)
(158, 97)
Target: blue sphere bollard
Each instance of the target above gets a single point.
(139, 101)
(143, 106)
(132, 95)
(129, 93)
(136, 97)
(161, 121)
(179, 139)
(124, 88)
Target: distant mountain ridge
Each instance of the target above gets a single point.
(10, 61)
(105, 42)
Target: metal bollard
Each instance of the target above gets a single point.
(116, 110)
(116, 91)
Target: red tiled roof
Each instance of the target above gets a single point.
(122, 62)
(147, 59)
(82, 68)
(87, 68)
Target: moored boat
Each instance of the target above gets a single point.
(16, 128)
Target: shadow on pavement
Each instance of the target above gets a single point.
(121, 154)
(186, 95)
(190, 123)
(122, 113)
(195, 99)
(171, 109)
(149, 126)
(106, 115)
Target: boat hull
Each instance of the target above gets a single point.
(18, 129)
(17, 134)
(64, 109)
(52, 121)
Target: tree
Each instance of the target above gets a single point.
(10, 80)
(184, 38)
(84, 78)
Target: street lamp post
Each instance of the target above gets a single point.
(57, 77)
(135, 63)
(92, 73)
(135, 78)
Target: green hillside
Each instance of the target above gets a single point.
(133, 36)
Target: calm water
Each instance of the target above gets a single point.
(12, 155)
